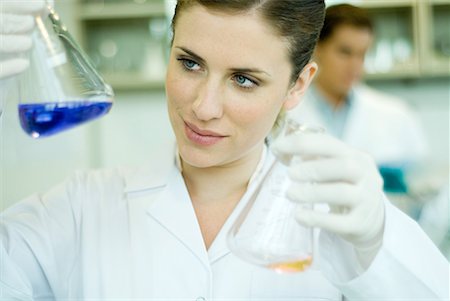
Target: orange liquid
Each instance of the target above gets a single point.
(291, 266)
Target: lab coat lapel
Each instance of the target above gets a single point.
(219, 248)
(173, 210)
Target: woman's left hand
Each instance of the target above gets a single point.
(347, 180)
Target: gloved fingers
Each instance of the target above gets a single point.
(342, 169)
(22, 6)
(15, 43)
(311, 145)
(14, 24)
(333, 194)
(13, 67)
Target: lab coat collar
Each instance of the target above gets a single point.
(152, 175)
(219, 247)
(323, 104)
(173, 210)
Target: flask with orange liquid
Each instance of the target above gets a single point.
(266, 232)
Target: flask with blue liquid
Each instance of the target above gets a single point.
(61, 89)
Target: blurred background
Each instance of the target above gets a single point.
(127, 41)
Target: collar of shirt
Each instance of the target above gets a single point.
(152, 175)
(172, 209)
(334, 118)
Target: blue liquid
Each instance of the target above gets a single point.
(46, 119)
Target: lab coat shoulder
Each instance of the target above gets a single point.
(378, 102)
(43, 236)
(407, 254)
(38, 236)
(63, 205)
(97, 197)
(385, 126)
(107, 187)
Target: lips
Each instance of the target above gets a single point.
(200, 136)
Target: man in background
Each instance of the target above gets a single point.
(378, 124)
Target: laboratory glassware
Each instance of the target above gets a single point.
(266, 232)
(61, 89)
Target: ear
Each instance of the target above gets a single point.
(300, 86)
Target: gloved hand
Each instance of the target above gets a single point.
(16, 25)
(347, 180)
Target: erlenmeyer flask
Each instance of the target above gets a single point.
(61, 89)
(266, 232)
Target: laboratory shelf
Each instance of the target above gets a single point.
(100, 11)
(440, 2)
(127, 41)
(385, 3)
(435, 37)
(411, 39)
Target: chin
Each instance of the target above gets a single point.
(196, 157)
(344, 89)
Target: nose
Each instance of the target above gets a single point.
(356, 65)
(358, 62)
(209, 105)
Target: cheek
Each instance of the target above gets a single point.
(171, 96)
(177, 90)
(256, 115)
(336, 62)
(175, 100)
(333, 66)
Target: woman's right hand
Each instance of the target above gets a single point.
(16, 26)
(345, 179)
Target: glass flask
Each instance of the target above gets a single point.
(61, 89)
(266, 232)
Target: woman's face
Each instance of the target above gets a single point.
(227, 80)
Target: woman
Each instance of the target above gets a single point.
(159, 233)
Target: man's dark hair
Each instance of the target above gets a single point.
(344, 14)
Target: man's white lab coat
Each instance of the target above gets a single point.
(123, 235)
(377, 123)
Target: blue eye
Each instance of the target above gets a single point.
(244, 82)
(189, 65)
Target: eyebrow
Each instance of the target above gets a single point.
(236, 70)
(193, 54)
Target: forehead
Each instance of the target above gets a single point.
(230, 15)
(352, 35)
(246, 37)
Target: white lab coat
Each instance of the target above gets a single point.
(133, 234)
(377, 123)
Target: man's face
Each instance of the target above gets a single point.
(341, 58)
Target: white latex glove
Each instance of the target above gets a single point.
(16, 26)
(347, 180)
